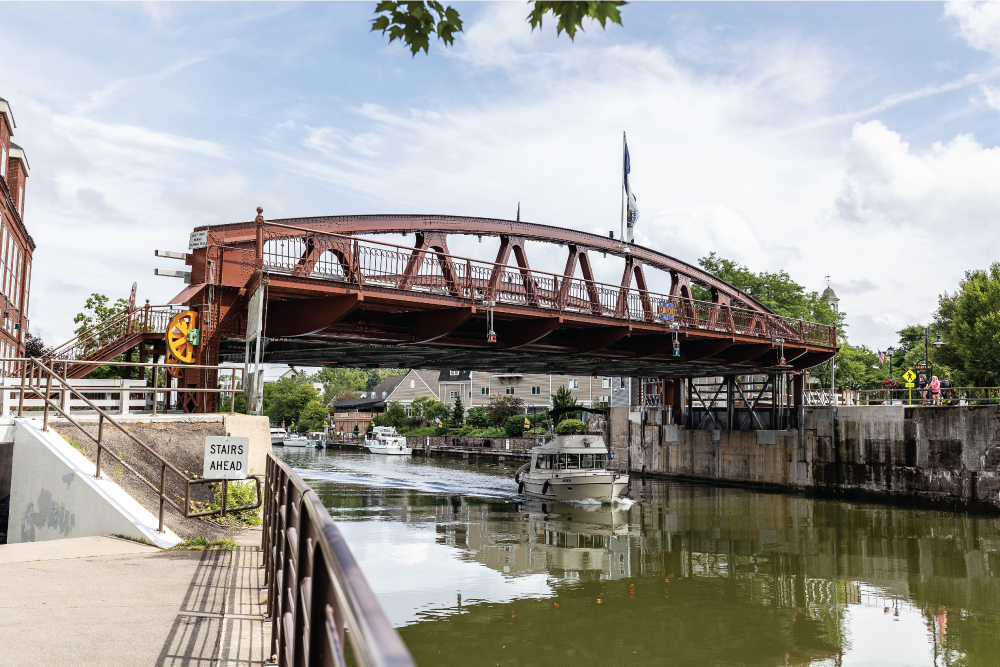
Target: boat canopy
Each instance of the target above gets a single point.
(572, 444)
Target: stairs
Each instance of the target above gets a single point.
(119, 334)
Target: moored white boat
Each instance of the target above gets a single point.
(297, 440)
(278, 435)
(571, 467)
(385, 440)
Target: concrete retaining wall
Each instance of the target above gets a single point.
(55, 495)
(942, 453)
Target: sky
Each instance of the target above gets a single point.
(851, 140)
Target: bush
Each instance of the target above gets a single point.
(502, 407)
(473, 432)
(424, 430)
(476, 418)
(514, 426)
(569, 427)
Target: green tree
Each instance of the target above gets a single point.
(563, 398)
(458, 411)
(395, 415)
(428, 408)
(477, 417)
(285, 399)
(971, 320)
(339, 382)
(415, 22)
(514, 426)
(777, 291)
(312, 416)
(96, 312)
(241, 403)
(502, 407)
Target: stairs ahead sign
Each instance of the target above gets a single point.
(226, 457)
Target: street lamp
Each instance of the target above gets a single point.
(938, 343)
(888, 353)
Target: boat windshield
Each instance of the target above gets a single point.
(543, 462)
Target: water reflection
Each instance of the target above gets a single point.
(689, 574)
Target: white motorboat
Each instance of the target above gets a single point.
(571, 467)
(385, 440)
(297, 440)
(278, 435)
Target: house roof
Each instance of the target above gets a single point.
(388, 385)
(463, 376)
(359, 404)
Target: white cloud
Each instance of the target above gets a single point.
(978, 23)
(906, 225)
(992, 96)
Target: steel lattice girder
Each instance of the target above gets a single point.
(336, 298)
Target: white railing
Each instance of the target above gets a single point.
(114, 396)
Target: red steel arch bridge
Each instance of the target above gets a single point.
(337, 291)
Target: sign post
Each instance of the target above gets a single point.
(909, 376)
(226, 458)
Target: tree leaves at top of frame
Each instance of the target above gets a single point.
(570, 15)
(414, 22)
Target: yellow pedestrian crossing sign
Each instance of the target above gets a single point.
(909, 376)
(909, 385)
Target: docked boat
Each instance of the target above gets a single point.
(571, 467)
(385, 440)
(297, 440)
(278, 435)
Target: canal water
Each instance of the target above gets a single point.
(688, 574)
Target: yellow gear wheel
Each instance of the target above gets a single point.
(177, 336)
(175, 371)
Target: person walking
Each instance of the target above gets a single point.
(935, 390)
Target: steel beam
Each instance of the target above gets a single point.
(301, 317)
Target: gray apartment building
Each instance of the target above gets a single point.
(536, 389)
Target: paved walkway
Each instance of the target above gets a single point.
(104, 601)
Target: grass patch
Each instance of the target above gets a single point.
(140, 540)
(240, 494)
(203, 544)
(77, 446)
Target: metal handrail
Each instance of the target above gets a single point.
(31, 381)
(315, 588)
(90, 342)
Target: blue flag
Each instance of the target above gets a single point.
(633, 209)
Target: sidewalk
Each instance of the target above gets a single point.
(104, 601)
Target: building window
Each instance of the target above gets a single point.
(573, 384)
(509, 391)
(413, 384)
(384, 394)
(454, 395)
(605, 383)
(485, 391)
(535, 391)
(454, 373)
(623, 383)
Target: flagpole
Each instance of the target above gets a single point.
(622, 225)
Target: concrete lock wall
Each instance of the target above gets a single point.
(55, 495)
(950, 454)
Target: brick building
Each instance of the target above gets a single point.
(16, 245)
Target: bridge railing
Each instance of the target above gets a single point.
(315, 588)
(89, 344)
(374, 263)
